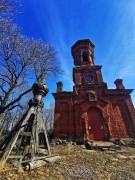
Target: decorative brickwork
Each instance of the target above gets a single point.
(92, 111)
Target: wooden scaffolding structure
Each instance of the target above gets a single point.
(28, 141)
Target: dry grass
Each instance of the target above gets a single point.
(78, 163)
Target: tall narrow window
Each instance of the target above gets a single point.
(85, 57)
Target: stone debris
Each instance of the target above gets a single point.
(91, 151)
(128, 142)
(64, 142)
(105, 149)
(112, 149)
(121, 142)
(132, 157)
(109, 152)
(53, 159)
(52, 144)
(73, 143)
(114, 159)
(60, 141)
(122, 151)
(122, 157)
(83, 146)
(102, 146)
(57, 143)
(34, 164)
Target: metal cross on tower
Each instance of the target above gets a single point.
(28, 140)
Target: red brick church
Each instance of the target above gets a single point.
(92, 111)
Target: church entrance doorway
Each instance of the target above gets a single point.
(95, 125)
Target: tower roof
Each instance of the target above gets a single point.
(81, 42)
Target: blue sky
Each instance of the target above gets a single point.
(109, 24)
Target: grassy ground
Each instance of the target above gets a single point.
(78, 163)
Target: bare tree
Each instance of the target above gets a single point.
(21, 58)
(44, 62)
(5, 123)
(49, 117)
(8, 8)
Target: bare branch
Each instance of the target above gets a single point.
(2, 89)
(17, 105)
(5, 76)
(14, 101)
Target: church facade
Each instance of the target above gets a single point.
(92, 111)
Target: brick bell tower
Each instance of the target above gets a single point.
(92, 111)
(86, 75)
(89, 87)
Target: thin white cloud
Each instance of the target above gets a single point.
(50, 21)
(116, 48)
